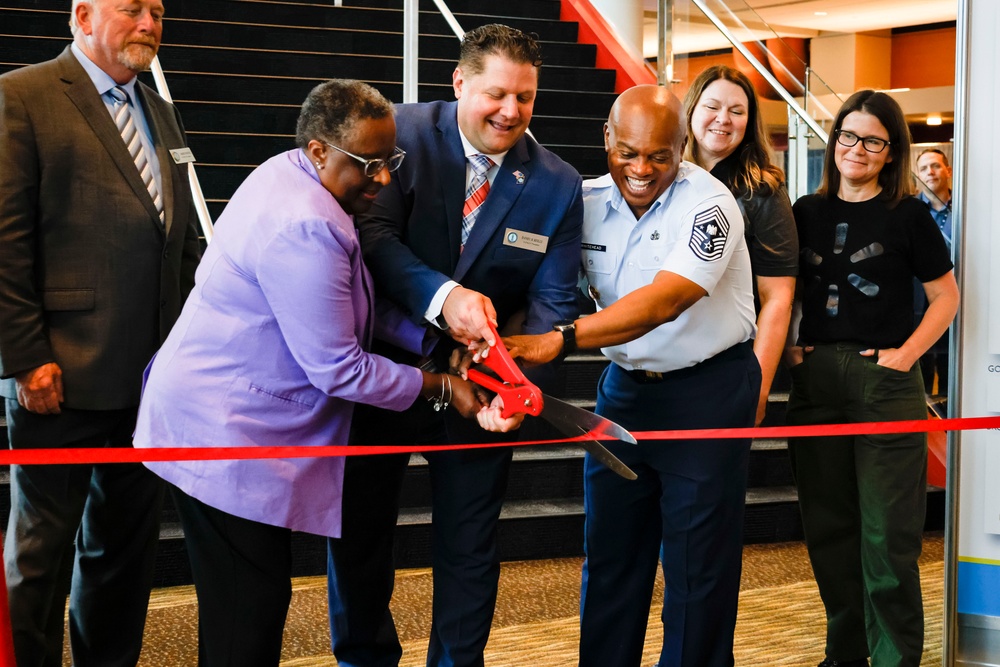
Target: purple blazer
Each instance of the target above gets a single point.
(270, 350)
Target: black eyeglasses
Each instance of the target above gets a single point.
(870, 144)
(373, 167)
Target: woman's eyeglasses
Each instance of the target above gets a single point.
(870, 144)
(373, 167)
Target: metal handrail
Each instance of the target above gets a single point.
(450, 18)
(200, 205)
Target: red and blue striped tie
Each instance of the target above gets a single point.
(476, 193)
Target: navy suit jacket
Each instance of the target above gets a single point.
(412, 235)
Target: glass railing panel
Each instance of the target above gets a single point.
(708, 31)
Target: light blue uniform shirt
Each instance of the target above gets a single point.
(695, 230)
(103, 82)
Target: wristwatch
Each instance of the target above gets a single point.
(568, 330)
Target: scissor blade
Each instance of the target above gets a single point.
(564, 418)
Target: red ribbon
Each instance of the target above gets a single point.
(126, 455)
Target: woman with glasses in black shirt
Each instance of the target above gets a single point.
(863, 497)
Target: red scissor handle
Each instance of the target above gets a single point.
(518, 394)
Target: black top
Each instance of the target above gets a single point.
(858, 261)
(769, 228)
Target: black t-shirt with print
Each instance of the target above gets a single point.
(858, 261)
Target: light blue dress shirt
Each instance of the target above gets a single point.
(103, 82)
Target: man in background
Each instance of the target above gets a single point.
(934, 173)
(479, 224)
(98, 247)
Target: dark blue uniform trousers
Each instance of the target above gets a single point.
(688, 499)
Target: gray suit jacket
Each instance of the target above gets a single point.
(88, 278)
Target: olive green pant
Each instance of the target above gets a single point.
(863, 500)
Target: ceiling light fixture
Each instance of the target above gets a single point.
(934, 119)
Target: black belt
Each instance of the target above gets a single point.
(654, 377)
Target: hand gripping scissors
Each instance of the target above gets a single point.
(520, 395)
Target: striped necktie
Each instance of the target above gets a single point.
(476, 193)
(130, 135)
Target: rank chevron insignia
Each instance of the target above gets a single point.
(708, 236)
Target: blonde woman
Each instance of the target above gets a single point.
(726, 136)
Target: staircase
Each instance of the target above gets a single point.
(238, 71)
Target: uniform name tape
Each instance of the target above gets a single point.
(125, 455)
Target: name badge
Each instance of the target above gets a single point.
(594, 246)
(182, 155)
(515, 238)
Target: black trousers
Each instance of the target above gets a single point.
(242, 575)
(467, 491)
(111, 512)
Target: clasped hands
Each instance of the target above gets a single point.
(470, 315)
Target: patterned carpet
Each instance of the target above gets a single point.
(780, 620)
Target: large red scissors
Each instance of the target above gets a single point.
(520, 395)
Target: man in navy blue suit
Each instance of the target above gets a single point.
(479, 224)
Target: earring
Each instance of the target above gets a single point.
(319, 165)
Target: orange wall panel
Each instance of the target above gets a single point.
(923, 59)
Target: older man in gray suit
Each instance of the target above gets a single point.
(98, 247)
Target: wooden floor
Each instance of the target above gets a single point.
(780, 620)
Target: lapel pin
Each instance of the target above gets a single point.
(519, 177)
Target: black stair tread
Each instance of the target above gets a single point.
(772, 494)
(364, 16)
(541, 9)
(306, 63)
(516, 509)
(521, 509)
(201, 33)
(274, 89)
(548, 29)
(279, 118)
(382, 68)
(545, 9)
(553, 452)
(768, 444)
(171, 530)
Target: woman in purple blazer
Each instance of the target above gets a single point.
(271, 349)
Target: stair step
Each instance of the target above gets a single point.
(522, 535)
(545, 29)
(539, 9)
(273, 118)
(190, 87)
